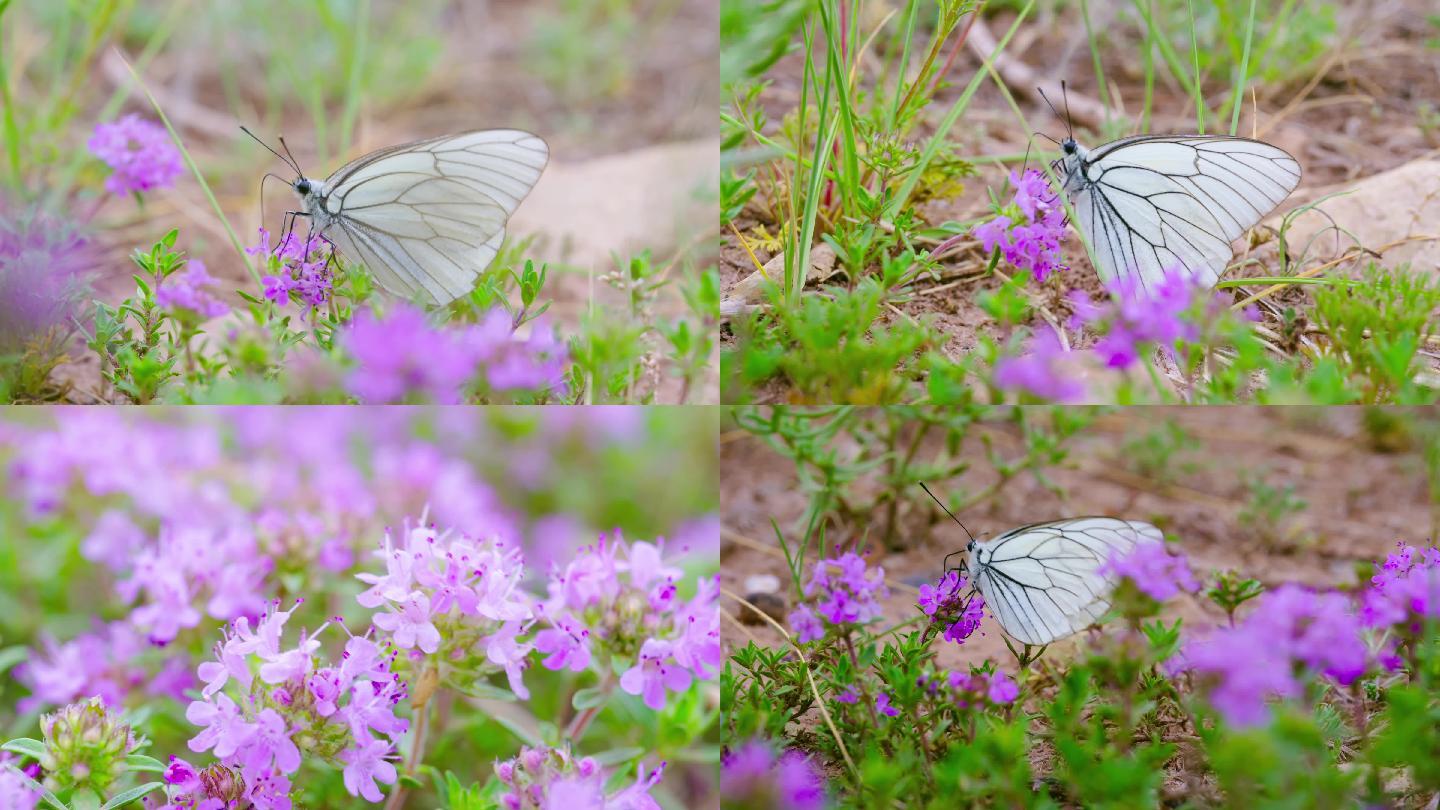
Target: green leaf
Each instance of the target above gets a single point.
(132, 794)
(26, 747)
(140, 762)
(10, 656)
(589, 698)
(615, 756)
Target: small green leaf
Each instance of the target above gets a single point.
(10, 656)
(589, 698)
(140, 762)
(615, 756)
(26, 747)
(131, 795)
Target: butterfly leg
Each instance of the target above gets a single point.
(290, 225)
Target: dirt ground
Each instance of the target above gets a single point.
(1359, 117)
(1361, 499)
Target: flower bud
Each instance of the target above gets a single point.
(85, 745)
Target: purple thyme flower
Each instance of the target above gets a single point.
(1140, 314)
(942, 594)
(1001, 688)
(882, 705)
(969, 621)
(15, 792)
(1405, 591)
(1155, 570)
(300, 269)
(401, 357)
(44, 269)
(366, 765)
(184, 292)
(1030, 232)
(411, 626)
(844, 591)
(752, 776)
(1038, 372)
(652, 675)
(806, 624)
(139, 154)
(587, 608)
(1292, 630)
(547, 778)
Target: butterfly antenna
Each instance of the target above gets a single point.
(1065, 96)
(293, 161)
(289, 162)
(947, 511)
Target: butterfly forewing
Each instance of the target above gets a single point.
(1043, 582)
(427, 217)
(1152, 204)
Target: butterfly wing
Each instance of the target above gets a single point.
(427, 217)
(1154, 203)
(1043, 582)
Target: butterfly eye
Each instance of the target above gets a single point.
(303, 187)
(1068, 145)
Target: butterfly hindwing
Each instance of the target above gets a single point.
(1153, 203)
(1043, 582)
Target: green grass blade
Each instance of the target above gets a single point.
(1095, 59)
(1237, 98)
(195, 170)
(1196, 92)
(932, 148)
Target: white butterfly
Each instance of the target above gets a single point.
(1156, 203)
(1043, 582)
(426, 217)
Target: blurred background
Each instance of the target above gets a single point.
(319, 486)
(622, 90)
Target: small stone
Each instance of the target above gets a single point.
(762, 583)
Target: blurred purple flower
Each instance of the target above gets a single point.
(1001, 689)
(139, 153)
(44, 264)
(15, 792)
(1033, 245)
(1155, 570)
(402, 357)
(1139, 314)
(543, 778)
(1038, 372)
(186, 291)
(882, 705)
(1292, 630)
(806, 624)
(753, 777)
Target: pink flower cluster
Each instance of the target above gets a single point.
(278, 695)
(401, 357)
(618, 599)
(751, 775)
(1405, 592)
(842, 590)
(1140, 315)
(103, 663)
(1031, 243)
(543, 778)
(945, 604)
(441, 591)
(1292, 631)
(139, 153)
(300, 269)
(187, 293)
(1154, 569)
(1040, 371)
